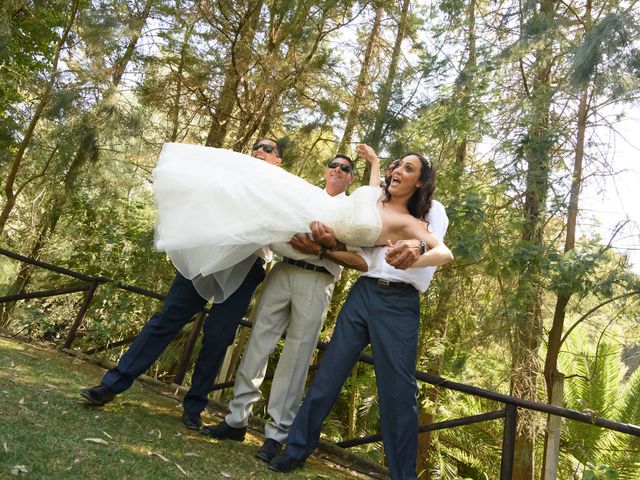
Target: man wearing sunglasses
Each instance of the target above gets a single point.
(267, 150)
(296, 295)
(181, 303)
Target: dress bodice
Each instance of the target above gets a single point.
(357, 219)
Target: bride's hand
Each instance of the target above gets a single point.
(367, 153)
(370, 156)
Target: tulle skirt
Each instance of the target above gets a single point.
(217, 207)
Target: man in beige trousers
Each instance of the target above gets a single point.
(296, 296)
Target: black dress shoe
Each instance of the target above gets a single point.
(285, 464)
(224, 431)
(192, 420)
(98, 396)
(269, 449)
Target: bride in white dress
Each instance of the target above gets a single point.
(217, 207)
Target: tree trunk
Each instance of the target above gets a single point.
(175, 110)
(554, 424)
(45, 96)
(353, 404)
(120, 65)
(361, 86)
(528, 327)
(240, 51)
(555, 334)
(387, 87)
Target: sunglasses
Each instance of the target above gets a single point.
(264, 146)
(343, 167)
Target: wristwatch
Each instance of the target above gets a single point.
(423, 247)
(322, 252)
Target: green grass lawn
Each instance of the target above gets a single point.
(45, 429)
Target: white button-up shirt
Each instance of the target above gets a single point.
(418, 277)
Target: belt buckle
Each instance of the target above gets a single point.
(382, 281)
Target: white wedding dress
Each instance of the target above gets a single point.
(217, 207)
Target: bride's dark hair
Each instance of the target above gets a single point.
(420, 202)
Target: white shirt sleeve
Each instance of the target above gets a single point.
(438, 220)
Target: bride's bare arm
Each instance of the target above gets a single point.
(370, 156)
(434, 257)
(400, 226)
(408, 254)
(404, 235)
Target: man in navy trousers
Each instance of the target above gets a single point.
(180, 305)
(382, 309)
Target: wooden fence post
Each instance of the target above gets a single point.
(83, 310)
(188, 350)
(508, 442)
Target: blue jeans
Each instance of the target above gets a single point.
(180, 305)
(388, 317)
